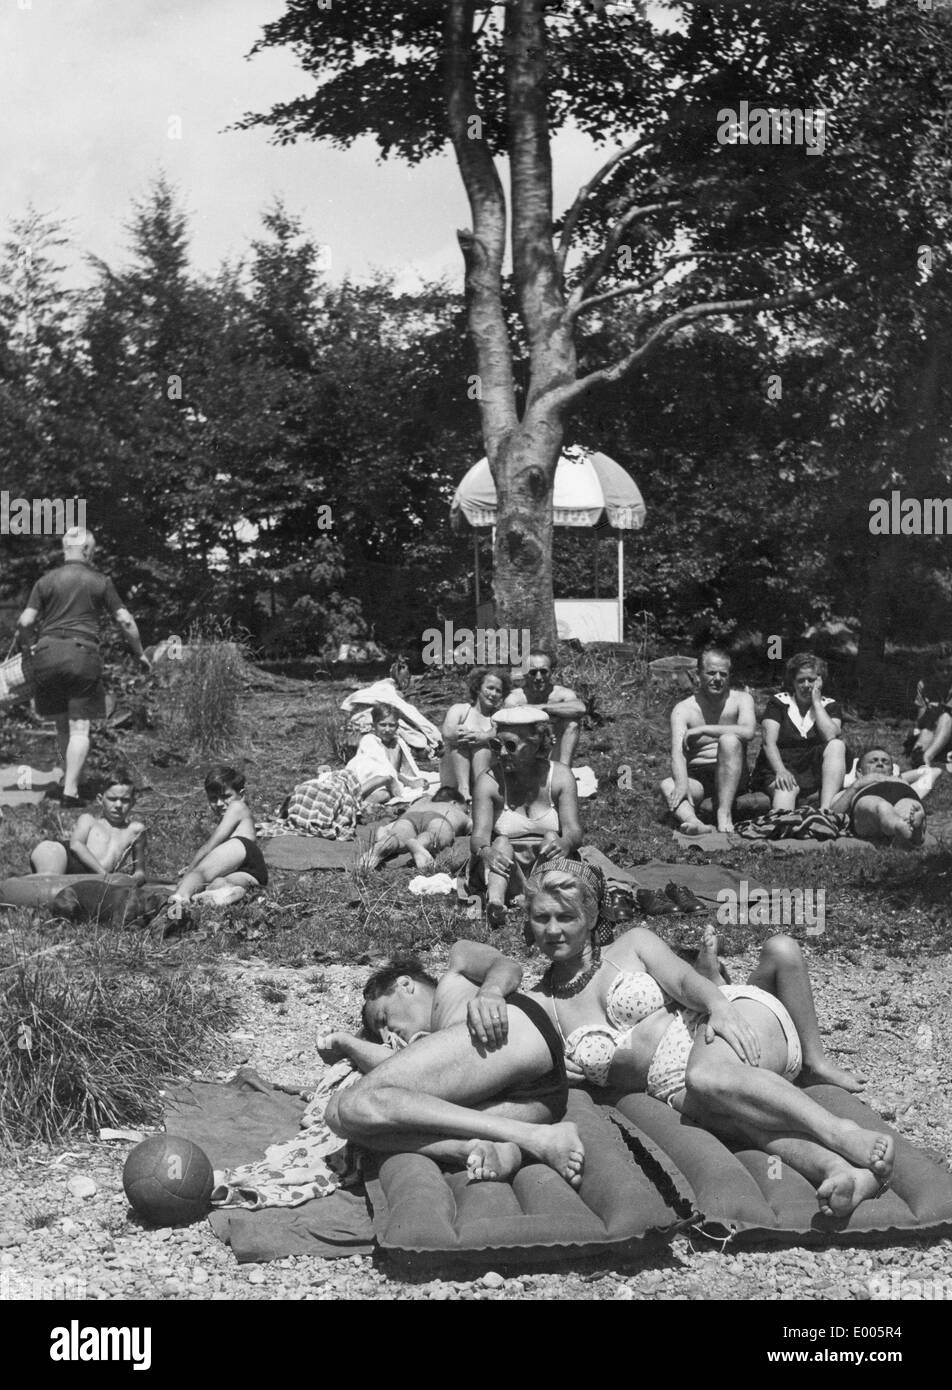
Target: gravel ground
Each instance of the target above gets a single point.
(66, 1230)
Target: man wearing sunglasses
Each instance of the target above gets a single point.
(561, 704)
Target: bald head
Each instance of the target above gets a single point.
(78, 543)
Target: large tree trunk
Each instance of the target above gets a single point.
(525, 472)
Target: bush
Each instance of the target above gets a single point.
(203, 687)
(87, 1034)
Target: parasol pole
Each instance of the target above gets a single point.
(476, 563)
(621, 588)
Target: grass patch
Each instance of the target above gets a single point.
(200, 705)
(90, 1028)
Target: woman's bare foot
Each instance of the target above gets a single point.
(561, 1147)
(866, 1148)
(827, 1073)
(843, 1191)
(725, 823)
(706, 963)
(694, 827)
(492, 1162)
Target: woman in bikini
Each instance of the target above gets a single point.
(524, 810)
(639, 1018)
(468, 730)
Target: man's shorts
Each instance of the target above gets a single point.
(706, 774)
(67, 678)
(552, 1088)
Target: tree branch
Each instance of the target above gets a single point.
(484, 247)
(597, 267)
(639, 286)
(585, 192)
(569, 396)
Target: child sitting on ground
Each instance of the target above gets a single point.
(230, 859)
(105, 843)
(383, 763)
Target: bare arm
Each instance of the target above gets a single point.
(497, 976)
(679, 763)
(364, 1055)
(224, 830)
(564, 706)
(26, 624)
(79, 847)
(565, 797)
(771, 732)
(131, 633)
(746, 725)
(451, 723)
(485, 802)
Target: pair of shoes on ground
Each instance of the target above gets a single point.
(675, 898)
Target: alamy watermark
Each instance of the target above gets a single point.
(481, 646)
(40, 516)
(21, 1288)
(896, 515)
(895, 1286)
(772, 907)
(772, 125)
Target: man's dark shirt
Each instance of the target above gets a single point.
(70, 599)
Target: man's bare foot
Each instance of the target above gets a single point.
(725, 824)
(422, 858)
(843, 1191)
(492, 1162)
(561, 1147)
(866, 1148)
(827, 1073)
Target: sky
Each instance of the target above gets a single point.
(92, 89)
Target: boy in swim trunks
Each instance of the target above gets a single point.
(231, 857)
(428, 826)
(478, 1102)
(882, 807)
(107, 843)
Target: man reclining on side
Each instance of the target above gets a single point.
(481, 1086)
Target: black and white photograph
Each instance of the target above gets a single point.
(476, 665)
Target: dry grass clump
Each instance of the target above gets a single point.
(89, 1030)
(204, 681)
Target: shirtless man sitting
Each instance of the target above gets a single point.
(561, 704)
(426, 827)
(482, 1084)
(710, 731)
(881, 806)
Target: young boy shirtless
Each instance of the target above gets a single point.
(710, 731)
(105, 843)
(231, 857)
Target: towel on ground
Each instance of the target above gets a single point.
(414, 727)
(371, 760)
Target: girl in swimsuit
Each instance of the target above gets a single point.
(641, 1019)
(524, 810)
(468, 730)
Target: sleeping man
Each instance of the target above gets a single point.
(881, 806)
(482, 1085)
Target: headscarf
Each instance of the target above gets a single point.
(604, 932)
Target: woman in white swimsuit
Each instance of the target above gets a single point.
(468, 730)
(639, 1018)
(524, 810)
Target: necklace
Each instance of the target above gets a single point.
(578, 984)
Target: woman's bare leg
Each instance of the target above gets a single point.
(782, 971)
(760, 1098)
(834, 770)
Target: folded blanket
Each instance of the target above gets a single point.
(327, 805)
(801, 824)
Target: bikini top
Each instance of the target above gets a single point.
(518, 823)
(632, 997)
